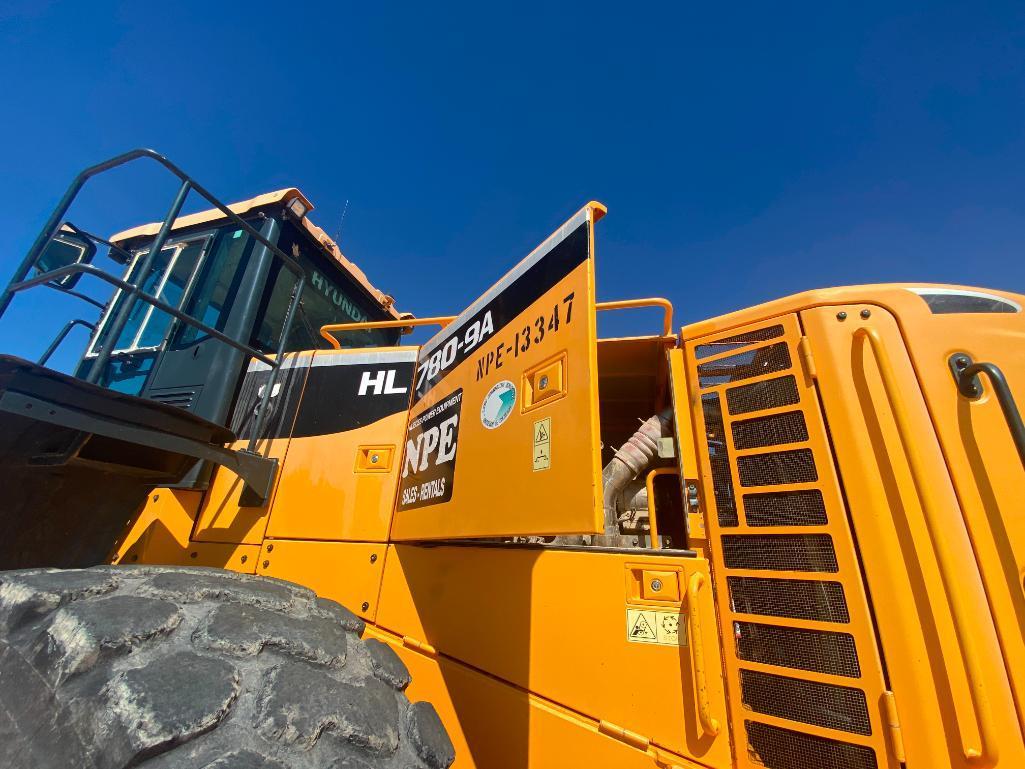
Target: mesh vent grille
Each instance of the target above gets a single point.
(785, 508)
(770, 431)
(770, 394)
(794, 598)
(745, 365)
(819, 651)
(810, 702)
(740, 340)
(779, 552)
(778, 467)
(778, 748)
(719, 459)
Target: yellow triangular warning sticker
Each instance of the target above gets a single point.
(642, 629)
(542, 434)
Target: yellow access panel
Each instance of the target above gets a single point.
(503, 431)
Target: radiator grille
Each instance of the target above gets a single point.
(785, 508)
(770, 431)
(777, 468)
(793, 598)
(769, 394)
(744, 365)
(740, 340)
(779, 552)
(808, 579)
(719, 459)
(810, 702)
(778, 748)
(820, 651)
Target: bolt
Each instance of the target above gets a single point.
(156, 497)
(656, 585)
(266, 564)
(270, 548)
(841, 315)
(543, 383)
(366, 605)
(373, 558)
(193, 554)
(866, 314)
(244, 558)
(373, 459)
(961, 362)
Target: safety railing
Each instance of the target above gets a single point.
(966, 374)
(328, 331)
(649, 485)
(133, 292)
(708, 724)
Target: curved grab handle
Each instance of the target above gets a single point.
(655, 301)
(985, 754)
(709, 725)
(967, 374)
(328, 330)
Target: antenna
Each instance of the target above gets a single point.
(341, 221)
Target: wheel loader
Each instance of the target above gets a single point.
(253, 528)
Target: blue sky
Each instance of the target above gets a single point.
(745, 151)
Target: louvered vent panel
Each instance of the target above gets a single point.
(793, 603)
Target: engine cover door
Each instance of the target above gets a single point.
(502, 438)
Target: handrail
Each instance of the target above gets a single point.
(655, 301)
(649, 485)
(188, 185)
(61, 336)
(971, 656)
(327, 330)
(968, 386)
(124, 285)
(708, 724)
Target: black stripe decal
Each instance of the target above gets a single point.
(469, 334)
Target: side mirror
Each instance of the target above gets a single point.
(67, 247)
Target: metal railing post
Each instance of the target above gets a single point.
(121, 319)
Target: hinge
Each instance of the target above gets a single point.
(804, 351)
(893, 726)
(633, 739)
(420, 646)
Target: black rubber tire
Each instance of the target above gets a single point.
(175, 668)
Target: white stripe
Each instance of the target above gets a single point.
(353, 359)
(583, 215)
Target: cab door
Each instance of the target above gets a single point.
(502, 438)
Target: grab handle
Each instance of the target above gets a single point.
(709, 725)
(950, 567)
(966, 374)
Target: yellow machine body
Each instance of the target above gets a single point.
(840, 582)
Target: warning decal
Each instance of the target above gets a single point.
(648, 626)
(543, 444)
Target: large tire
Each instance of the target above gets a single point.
(173, 668)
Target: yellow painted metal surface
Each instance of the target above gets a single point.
(926, 662)
(346, 572)
(490, 485)
(222, 518)
(161, 531)
(775, 547)
(554, 622)
(497, 726)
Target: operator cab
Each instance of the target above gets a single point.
(218, 273)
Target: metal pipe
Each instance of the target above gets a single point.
(61, 336)
(971, 389)
(121, 318)
(327, 331)
(655, 301)
(632, 459)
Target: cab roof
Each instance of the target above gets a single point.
(277, 198)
